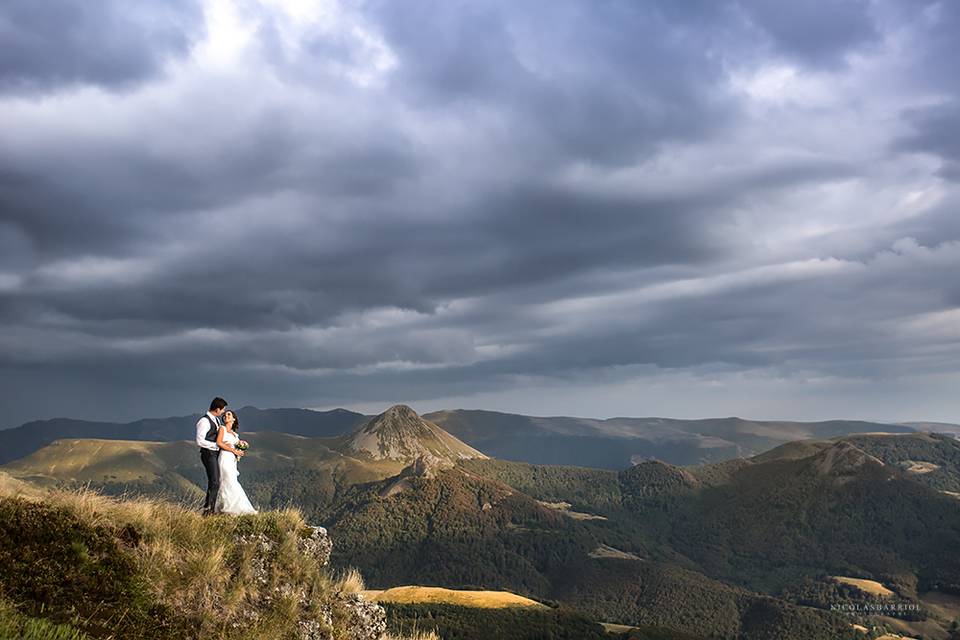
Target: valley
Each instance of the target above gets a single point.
(793, 538)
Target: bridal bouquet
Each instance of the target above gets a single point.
(243, 445)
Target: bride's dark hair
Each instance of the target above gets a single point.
(236, 419)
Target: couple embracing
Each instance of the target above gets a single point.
(220, 448)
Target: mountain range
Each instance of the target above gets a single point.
(759, 546)
(614, 443)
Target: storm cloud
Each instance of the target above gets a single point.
(112, 43)
(687, 209)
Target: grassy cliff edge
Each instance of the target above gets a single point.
(77, 564)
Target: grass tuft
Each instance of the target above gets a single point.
(349, 581)
(13, 624)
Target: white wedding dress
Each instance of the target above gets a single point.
(232, 498)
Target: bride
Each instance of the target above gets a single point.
(232, 498)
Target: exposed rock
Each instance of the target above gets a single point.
(426, 465)
(258, 563)
(366, 620)
(317, 544)
(313, 630)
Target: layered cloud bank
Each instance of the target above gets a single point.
(634, 208)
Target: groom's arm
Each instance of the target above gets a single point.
(202, 426)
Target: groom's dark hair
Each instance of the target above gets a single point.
(217, 403)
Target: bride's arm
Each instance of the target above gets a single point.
(226, 446)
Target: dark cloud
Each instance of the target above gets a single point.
(933, 124)
(816, 34)
(936, 130)
(425, 200)
(112, 43)
(599, 83)
(937, 23)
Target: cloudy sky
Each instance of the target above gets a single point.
(551, 207)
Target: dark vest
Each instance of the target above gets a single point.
(212, 431)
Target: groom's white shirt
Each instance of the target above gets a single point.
(202, 427)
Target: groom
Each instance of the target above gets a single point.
(207, 427)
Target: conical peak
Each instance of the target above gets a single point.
(400, 411)
(399, 416)
(399, 433)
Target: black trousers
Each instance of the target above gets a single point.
(211, 464)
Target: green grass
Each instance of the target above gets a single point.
(155, 570)
(16, 626)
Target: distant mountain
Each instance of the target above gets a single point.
(936, 427)
(102, 463)
(301, 422)
(930, 459)
(400, 434)
(616, 443)
(23, 440)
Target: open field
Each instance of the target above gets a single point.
(414, 594)
(872, 587)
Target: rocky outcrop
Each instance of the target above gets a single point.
(425, 466)
(365, 620)
(317, 545)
